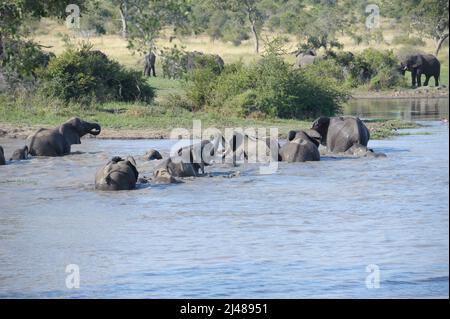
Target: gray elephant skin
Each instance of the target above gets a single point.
(422, 64)
(245, 146)
(189, 162)
(2, 156)
(305, 57)
(302, 146)
(118, 174)
(20, 154)
(339, 134)
(58, 141)
(149, 64)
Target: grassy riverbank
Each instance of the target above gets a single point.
(135, 121)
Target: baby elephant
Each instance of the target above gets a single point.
(2, 156)
(118, 174)
(302, 147)
(20, 154)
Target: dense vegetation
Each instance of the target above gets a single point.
(267, 86)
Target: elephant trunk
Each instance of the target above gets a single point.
(92, 128)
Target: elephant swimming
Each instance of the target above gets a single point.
(2, 156)
(251, 148)
(419, 64)
(302, 146)
(190, 161)
(118, 174)
(339, 134)
(152, 155)
(20, 154)
(57, 142)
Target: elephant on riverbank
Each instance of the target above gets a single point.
(2, 156)
(20, 154)
(189, 161)
(302, 146)
(339, 134)
(418, 64)
(305, 57)
(149, 64)
(252, 149)
(118, 174)
(58, 141)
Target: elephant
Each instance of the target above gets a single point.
(189, 162)
(194, 60)
(363, 151)
(118, 174)
(2, 156)
(20, 154)
(152, 154)
(339, 134)
(57, 141)
(250, 147)
(302, 146)
(149, 65)
(305, 57)
(419, 64)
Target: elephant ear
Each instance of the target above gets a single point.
(70, 134)
(291, 135)
(418, 62)
(132, 163)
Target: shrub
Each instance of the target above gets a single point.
(23, 58)
(378, 69)
(268, 87)
(83, 75)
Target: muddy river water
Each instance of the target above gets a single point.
(323, 229)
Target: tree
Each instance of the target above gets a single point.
(254, 15)
(146, 19)
(430, 17)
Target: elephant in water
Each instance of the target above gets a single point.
(57, 142)
(118, 174)
(419, 64)
(302, 146)
(253, 149)
(189, 162)
(20, 154)
(2, 156)
(343, 134)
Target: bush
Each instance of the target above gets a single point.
(83, 75)
(268, 87)
(378, 69)
(23, 59)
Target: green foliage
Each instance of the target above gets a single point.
(22, 60)
(270, 87)
(83, 75)
(378, 69)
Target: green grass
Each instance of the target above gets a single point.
(156, 118)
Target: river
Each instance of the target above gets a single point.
(334, 228)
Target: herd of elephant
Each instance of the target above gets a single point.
(345, 135)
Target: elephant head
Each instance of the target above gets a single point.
(20, 154)
(76, 128)
(2, 156)
(321, 126)
(117, 174)
(311, 135)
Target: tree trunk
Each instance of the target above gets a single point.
(439, 44)
(255, 36)
(123, 8)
